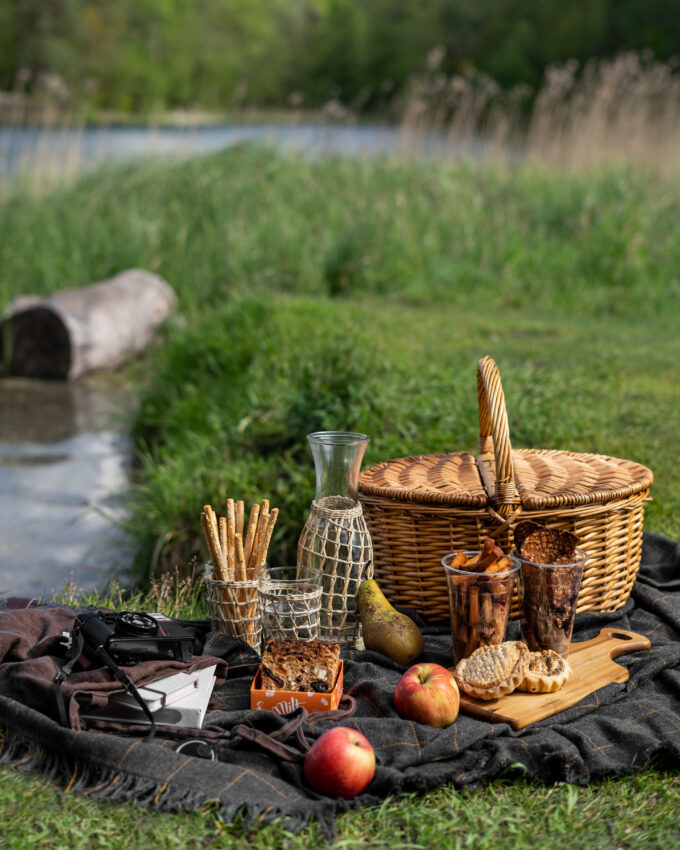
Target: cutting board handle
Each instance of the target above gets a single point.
(621, 641)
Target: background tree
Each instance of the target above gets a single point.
(143, 55)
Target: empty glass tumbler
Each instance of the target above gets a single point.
(289, 599)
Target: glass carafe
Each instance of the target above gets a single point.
(335, 538)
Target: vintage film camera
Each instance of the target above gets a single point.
(124, 639)
(132, 636)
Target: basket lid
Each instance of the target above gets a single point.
(542, 478)
(549, 478)
(444, 479)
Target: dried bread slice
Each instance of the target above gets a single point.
(493, 671)
(546, 672)
(297, 665)
(543, 545)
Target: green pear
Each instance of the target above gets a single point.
(385, 629)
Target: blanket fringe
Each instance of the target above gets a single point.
(116, 786)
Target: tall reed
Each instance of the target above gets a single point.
(625, 109)
(610, 111)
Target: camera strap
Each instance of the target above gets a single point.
(67, 669)
(129, 686)
(64, 672)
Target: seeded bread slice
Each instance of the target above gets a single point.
(296, 665)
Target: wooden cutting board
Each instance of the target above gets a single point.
(592, 668)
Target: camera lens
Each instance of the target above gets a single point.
(136, 623)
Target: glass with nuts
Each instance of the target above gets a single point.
(480, 592)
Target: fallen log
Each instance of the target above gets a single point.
(82, 330)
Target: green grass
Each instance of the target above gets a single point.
(633, 812)
(252, 222)
(346, 294)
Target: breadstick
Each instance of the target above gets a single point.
(240, 560)
(239, 518)
(214, 542)
(210, 513)
(223, 540)
(253, 562)
(214, 524)
(231, 535)
(247, 595)
(240, 597)
(264, 538)
(250, 534)
(208, 539)
(214, 550)
(271, 522)
(264, 514)
(216, 553)
(251, 611)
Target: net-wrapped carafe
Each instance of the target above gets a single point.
(335, 538)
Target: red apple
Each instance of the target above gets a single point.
(428, 693)
(340, 763)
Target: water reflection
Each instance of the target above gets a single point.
(64, 469)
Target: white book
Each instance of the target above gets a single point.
(163, 691)
(189, 710)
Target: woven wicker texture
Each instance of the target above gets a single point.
(336, 541)
(417, 510)
(543, 479)
(233, 610)
(547, 479)
(446, 479)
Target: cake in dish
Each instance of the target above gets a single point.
(297, 665)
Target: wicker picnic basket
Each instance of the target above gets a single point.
(420, 508)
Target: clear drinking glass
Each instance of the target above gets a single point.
(479, 604)
(335, 539)
(289, 599)
(548, 595)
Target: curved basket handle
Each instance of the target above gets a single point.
(493, 425)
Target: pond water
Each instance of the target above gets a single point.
(74, 149)
(65, 461)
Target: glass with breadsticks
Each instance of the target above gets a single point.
(237, 553)
(480, 591)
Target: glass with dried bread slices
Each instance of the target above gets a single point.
(480, 587)
(551, 568)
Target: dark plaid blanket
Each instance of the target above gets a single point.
(613, 731)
